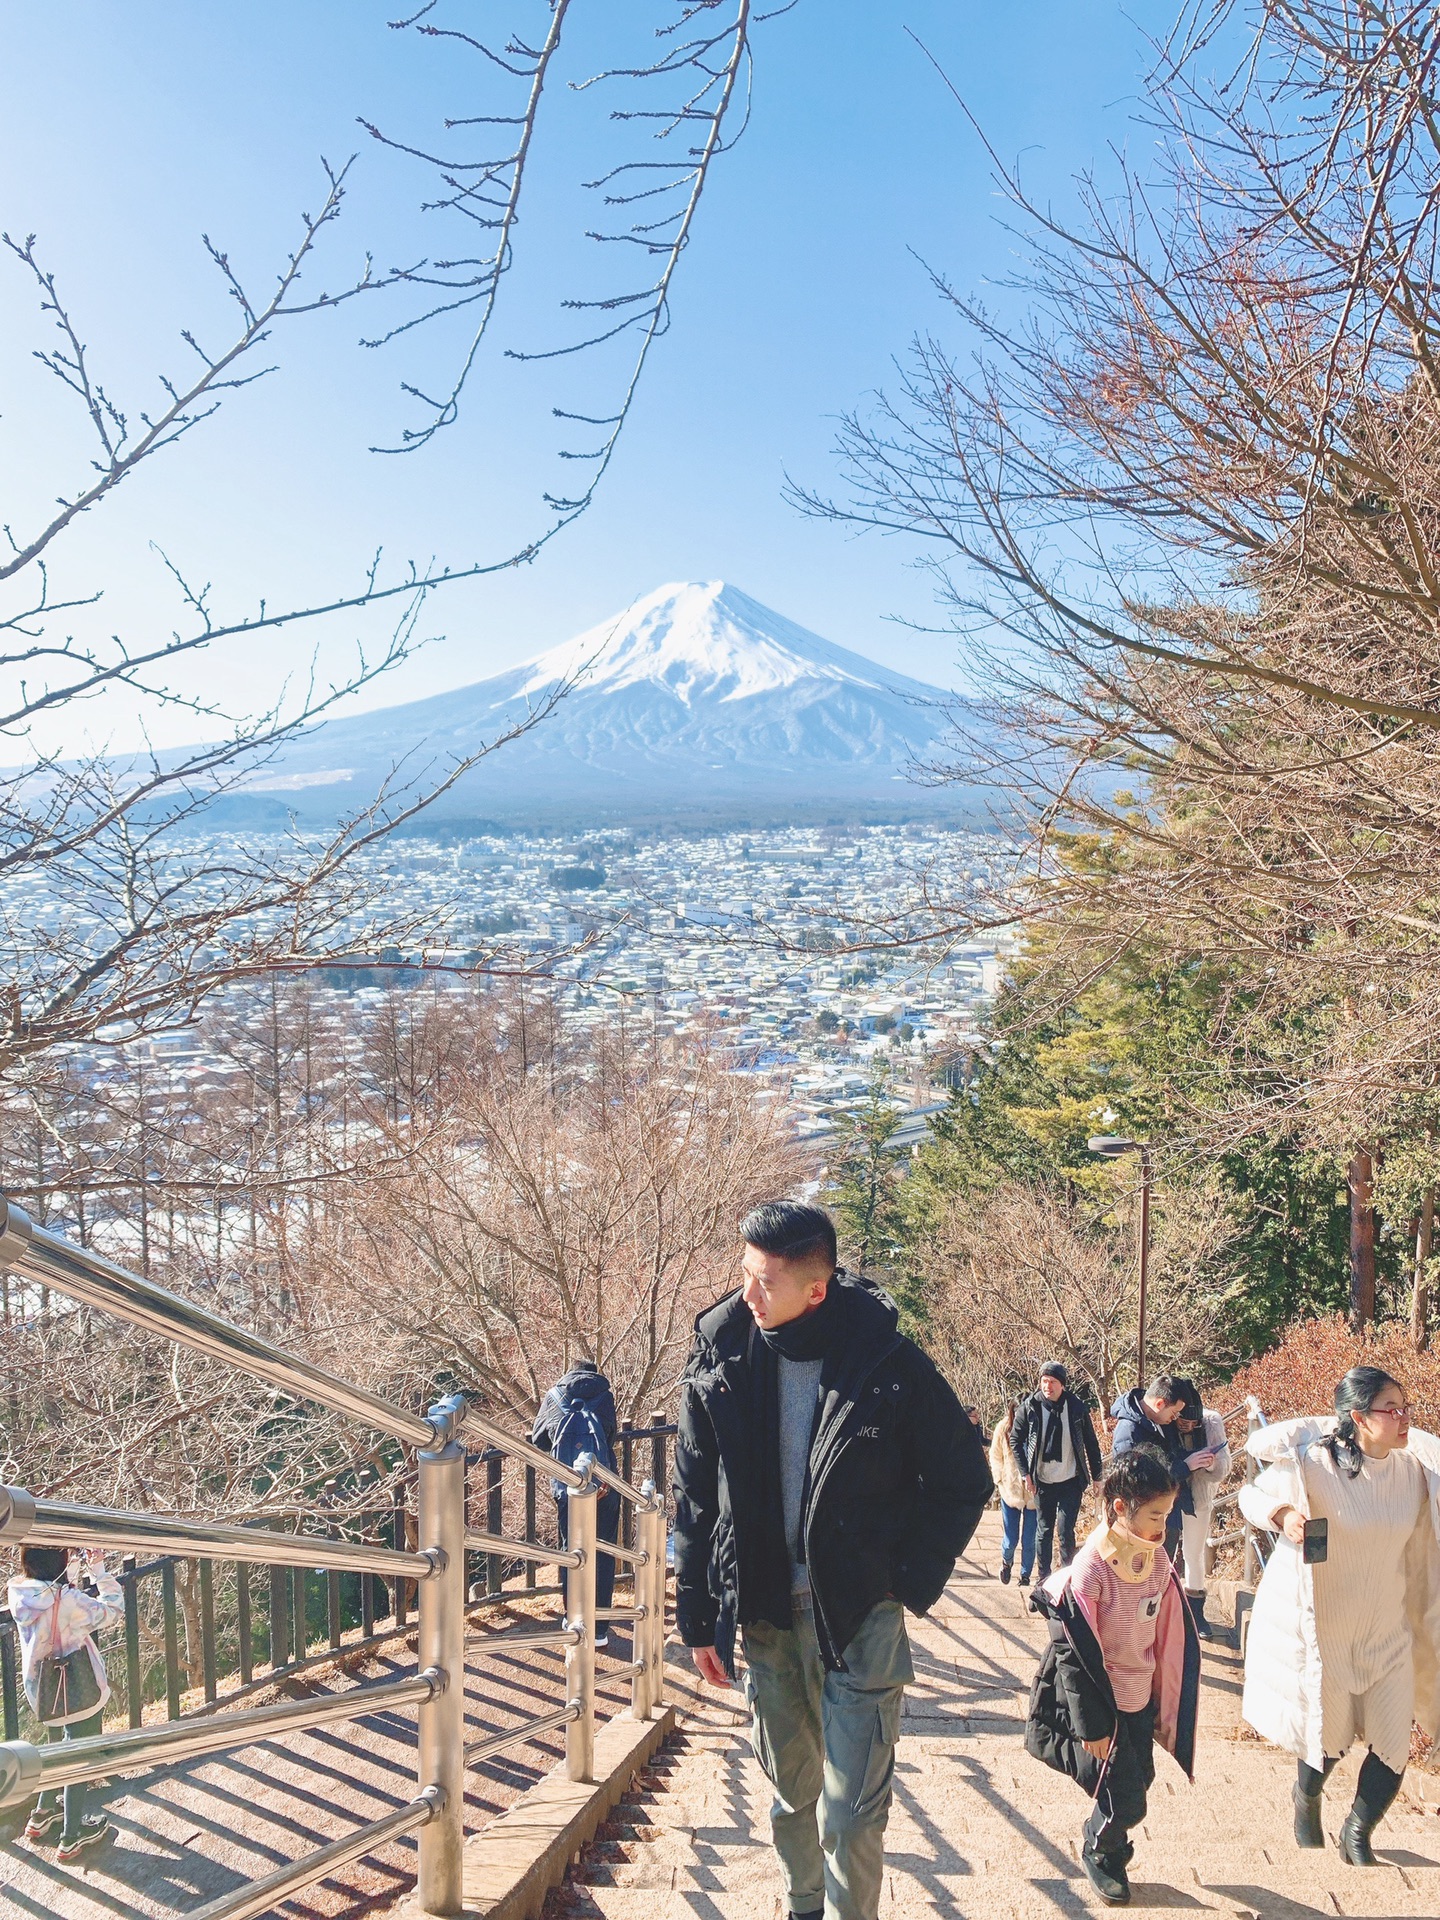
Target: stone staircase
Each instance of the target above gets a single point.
(190, 1832)
(980, 1830)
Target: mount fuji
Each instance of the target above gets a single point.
(696, 701)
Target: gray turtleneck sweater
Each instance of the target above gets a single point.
(799, 1399)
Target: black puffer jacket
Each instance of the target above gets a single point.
(1072, 1700)
(898, 1478)
(1028, 1432)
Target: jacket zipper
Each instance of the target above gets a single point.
(817, 1488)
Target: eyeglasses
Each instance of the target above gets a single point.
(1390, 1413)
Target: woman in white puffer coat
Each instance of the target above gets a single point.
(1346, 1647)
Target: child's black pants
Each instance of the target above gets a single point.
(1120, 1803)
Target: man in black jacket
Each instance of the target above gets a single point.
(1057, 1452)
(825, 1478)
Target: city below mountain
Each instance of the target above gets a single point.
(696, 703)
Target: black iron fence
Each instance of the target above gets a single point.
(224, 1629)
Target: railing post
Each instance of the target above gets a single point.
(655, 1600)
(494, 1516)
(207, 1631)
(441, 1643)
(628, 1535)
(530, 1520)
(649, 1538)
(9, 1680)
(172, 1639)
(133, 1678)
(581, 1534)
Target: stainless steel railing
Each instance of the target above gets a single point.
(81, 1274)
(437, 1569)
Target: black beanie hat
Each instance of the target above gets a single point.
(1056, 1370)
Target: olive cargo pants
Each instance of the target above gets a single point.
(826, 1742)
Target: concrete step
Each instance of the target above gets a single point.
(979, 1831)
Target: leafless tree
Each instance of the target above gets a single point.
(121, 905)
(557, 1199)
(1030, 1272)
(1184, 514)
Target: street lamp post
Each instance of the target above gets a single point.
(1111, 1146)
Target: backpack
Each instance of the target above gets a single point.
(65, 1684)
(579, 1432)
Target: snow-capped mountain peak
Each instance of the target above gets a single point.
(695, 700)
(699, 640)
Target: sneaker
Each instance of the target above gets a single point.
(1106, 1873)
(42, 1821)
(92, 1829)
(1024, 1579)
(601, 1640)
(1004, 1573)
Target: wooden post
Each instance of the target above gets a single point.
(1420, 1293)
(1360, 1179)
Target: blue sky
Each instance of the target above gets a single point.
(127, 131)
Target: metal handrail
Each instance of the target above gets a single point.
(632, 1556)
(561, 1636)
(438, 1571)
(574, 1478)
(482, 1425)
(57, 1523)
(520, 1549)
(479, 1750)
(261, 1895)
(609, 1478)
(82, 1274)
(26, 1769)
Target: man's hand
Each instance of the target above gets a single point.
(1198, 1462)
(710, 1667)
(1098, 1749)
(1291, 1523)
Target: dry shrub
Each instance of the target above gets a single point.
(1299, 1375)
(1028, 1272)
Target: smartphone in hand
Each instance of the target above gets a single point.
(1317, 1542)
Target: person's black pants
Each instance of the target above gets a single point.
(77, 1795)
(1120, 1803)
(1057, 1501)
(607, 1525)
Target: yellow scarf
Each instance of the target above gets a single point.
(1131, 1557)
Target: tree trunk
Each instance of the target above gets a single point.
(1420, 1292)
(1361, 1181)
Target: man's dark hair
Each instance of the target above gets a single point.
(1137, 1476)
(44, 1563)
(790, 1230)
(1166, 1388)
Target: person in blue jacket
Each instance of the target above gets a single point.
(578, 1416)
(1151, 1419)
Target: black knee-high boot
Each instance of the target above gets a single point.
(1306, 1792)
(1374, 1792)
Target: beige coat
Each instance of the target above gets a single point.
(1283, 1654)
(1005, 1469)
